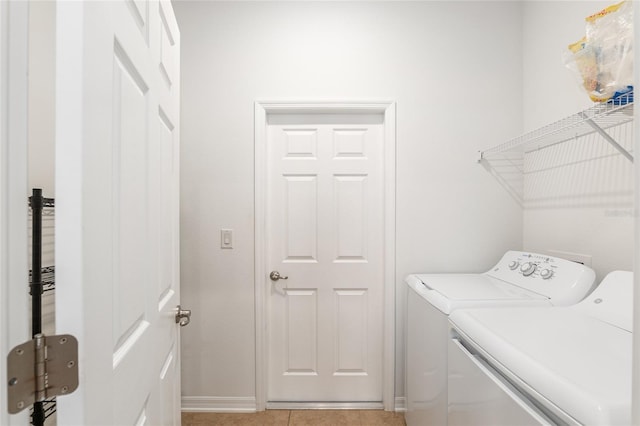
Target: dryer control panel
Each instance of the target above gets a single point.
(564, 282)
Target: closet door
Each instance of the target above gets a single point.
(117, 137)
(326, 240)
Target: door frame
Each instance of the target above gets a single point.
(262, 110)
(635, 391)
(14, 295)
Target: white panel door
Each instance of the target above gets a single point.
(325, 233)
(117, 209)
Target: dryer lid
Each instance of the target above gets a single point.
(612, 300)
(577, 362)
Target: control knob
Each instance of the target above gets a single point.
(528, 268)
(514, 265)
(546, 274)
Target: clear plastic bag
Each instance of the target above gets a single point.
(603, 59)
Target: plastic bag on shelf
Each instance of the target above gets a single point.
(582, 60)
(603, 59)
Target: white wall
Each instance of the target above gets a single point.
(41, 138)
(586, 206)
(455, 70)
(42, 62)
(635, 392)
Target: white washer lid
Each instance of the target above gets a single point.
(448, 292)
(475, 287)
(578, 362)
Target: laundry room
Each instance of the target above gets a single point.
(465, 76)
(318, 164)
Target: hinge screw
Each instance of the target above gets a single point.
(20, 351)
(64, 389)
(13, 381)
(63, 340)
(70, 364)
(21, 405)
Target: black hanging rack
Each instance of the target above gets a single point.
(41, 280)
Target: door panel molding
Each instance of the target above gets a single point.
(263, 110)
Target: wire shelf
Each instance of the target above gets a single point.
(596, 119)
(48, 278)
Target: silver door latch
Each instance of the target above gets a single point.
(183, 316)
(275, 276)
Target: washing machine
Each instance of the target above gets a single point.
(518, 279)
(538, 366)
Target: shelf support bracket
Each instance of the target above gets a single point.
(607, 137)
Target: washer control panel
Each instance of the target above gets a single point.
(533, 265)
(546, 273)
(557, 278)
(528, 268)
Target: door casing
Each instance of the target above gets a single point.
(14, 290)
(262, 110)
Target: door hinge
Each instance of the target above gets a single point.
(41, 368)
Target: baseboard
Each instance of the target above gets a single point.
(215, 404)
(324, 406)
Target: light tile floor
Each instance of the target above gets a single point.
(296, 418)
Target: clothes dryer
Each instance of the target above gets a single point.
(552, 365)
(518, 279)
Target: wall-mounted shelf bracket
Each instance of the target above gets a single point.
(606, 136)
